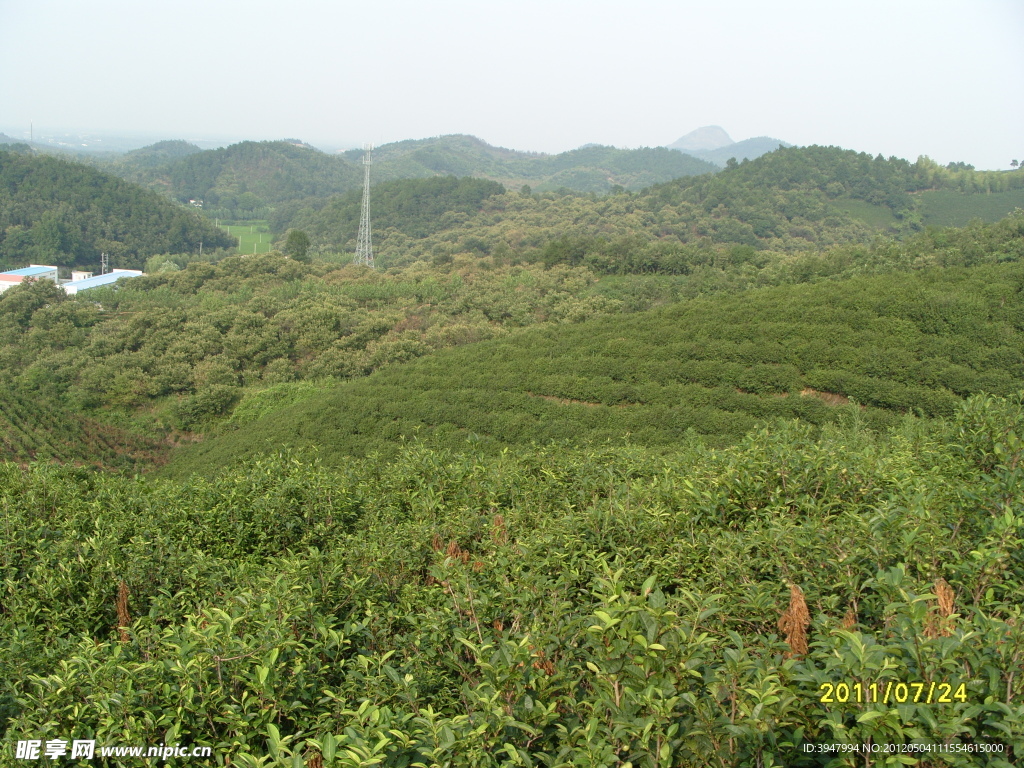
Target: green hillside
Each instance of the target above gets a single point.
(285, 180)
(790, 200)
(54, 211)
(798, 199)
(242, 180)
(714, 366)
(182, 349)
(245, 180)
(413, 208)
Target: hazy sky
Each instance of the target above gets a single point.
(902, 77)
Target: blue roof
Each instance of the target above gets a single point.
(98, 280)
(29, 271)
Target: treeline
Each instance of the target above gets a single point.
(544, 606)
(622, 254)
(805, 186)
(153, 156)
(54, 211)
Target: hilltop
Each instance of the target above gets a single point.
(248, 178)
(158, 154)
(588, 169)
(712, 144)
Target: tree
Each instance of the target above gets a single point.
(296, 245)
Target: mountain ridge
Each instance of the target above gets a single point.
(712, 144)
(250, 176)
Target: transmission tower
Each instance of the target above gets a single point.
(364, 245)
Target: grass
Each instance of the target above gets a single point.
(252, 236)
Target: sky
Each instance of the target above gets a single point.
(941, 78)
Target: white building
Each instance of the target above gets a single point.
(17, 276)
(95, 282)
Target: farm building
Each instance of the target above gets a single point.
(95, 282)
(16, 276)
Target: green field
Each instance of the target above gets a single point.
(251, 236)
(950, 208)
(876, 215)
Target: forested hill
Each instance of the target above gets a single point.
(255, 179)
(797, 199)
(587, 169)
(54, 211)
(248, 178)
(161, 153)
(822, 174)
(406, 208)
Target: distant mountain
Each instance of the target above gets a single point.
(159, 153)
(748, 149)
(712, 144)
(703, 139)
(249, 177)
(591, 168)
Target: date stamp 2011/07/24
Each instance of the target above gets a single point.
(893, 692)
